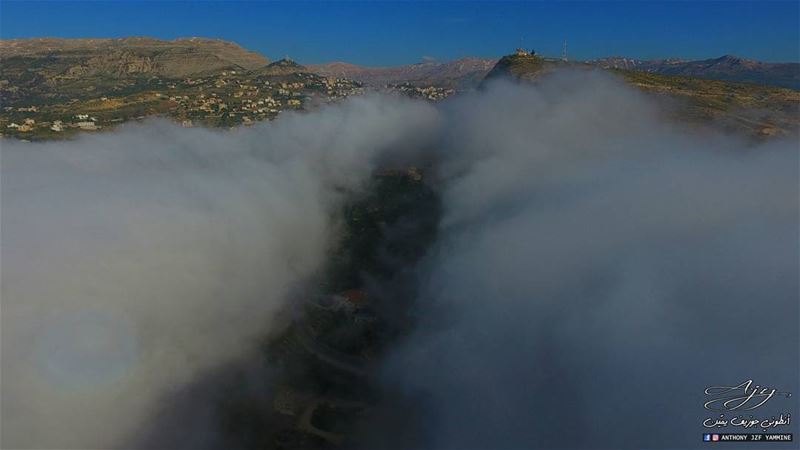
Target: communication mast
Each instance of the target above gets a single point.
(564, 53)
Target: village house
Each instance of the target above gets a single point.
(86, 125)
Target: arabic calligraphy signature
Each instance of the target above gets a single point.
(745, 396)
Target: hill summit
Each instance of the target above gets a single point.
(283, 66)
(523, 65)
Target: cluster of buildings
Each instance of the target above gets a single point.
(227, 99)
(431, 93)
(230, 98)
(29, 124)
(339, 88)
(244, 100)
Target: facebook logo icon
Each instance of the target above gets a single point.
(707, 438)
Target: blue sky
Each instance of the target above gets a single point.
(392, 33)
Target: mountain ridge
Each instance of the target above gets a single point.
(187, 56)
(462, 73)
(726, 67)
(125, 57)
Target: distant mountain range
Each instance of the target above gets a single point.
(728, 67)
(468, 72)
(136, 56)
(459, 74)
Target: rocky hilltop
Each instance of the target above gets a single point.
(523, 65)
(281, 67)
(50, 58)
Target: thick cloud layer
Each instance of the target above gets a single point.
(598, 269)
(135, 262)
